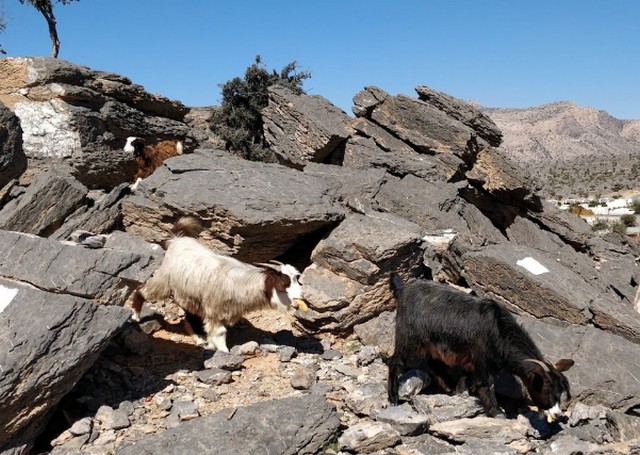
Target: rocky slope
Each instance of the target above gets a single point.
(416, 186)
(572, 150)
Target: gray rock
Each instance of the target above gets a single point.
(44, 206)
(540, 285)
(498, 430)
(101, 218)
(368, 437)
(185, 410)
(289, 426)
(404, 419)
(425, 444)
(355, 256)
(286, 353)
(42, 358)
(225, 361)
(354, 188)
(112, 419)
(365, 153)
(79, 117)
(426, 128)
(463, 112)
(379, 332)
(105, 275)
(13, 161)
(303, 378)
(412, 383)
(367, 355)
(445, 408)
(229, 196)
(302, 128)
(214, 376)
(82, 426)
(367, 399)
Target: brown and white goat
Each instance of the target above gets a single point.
(150, 157)
(451, 329)
(216, 288)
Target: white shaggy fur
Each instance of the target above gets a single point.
(218, 289)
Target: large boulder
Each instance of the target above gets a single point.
(106, 275)
(302, 128)
(45, 204)
(347, 282)
(256, 211)
(290, 426)
(464, 112)
(42, 358)
(13, 161)
(539, 284)
(424, 127)
(82, 117)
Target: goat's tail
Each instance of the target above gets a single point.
(179, 148)
(187, 226)
(396, 284)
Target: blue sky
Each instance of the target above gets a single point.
(500, 53)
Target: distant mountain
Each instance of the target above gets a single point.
(572, 150)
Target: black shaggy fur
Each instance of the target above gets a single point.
(451, 329)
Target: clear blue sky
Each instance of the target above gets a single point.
(500, 53)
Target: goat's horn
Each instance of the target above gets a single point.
(266, 264)
(544, 366)
(275, 262)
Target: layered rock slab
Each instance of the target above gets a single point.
(290, 426)
(255, 211)
(41, 359)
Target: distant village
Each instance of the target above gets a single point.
(605, 210)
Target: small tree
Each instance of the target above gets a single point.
(3, 25)
(635, 205)
(628, 220)
(239, 121)
(45, 7)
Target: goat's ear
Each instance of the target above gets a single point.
(536, 379)
(564, 364)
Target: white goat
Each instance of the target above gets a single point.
(216, 288)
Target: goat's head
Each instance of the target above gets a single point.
(282, 286)
(134, 145)
(548, 388)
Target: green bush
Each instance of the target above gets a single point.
(628, 220)
(239, 120)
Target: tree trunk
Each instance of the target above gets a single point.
(46, 9)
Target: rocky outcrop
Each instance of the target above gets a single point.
(81, 118)
(417, 186)
(302, 128)
(42, 358)
(289, 426)
(256, 211)
(13, 161)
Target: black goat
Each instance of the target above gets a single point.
(449, 328)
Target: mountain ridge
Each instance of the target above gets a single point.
(571, 150)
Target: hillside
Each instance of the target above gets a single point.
(572, 150)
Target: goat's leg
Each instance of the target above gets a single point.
(484, 388)
(216, 336)
(396, 365)
(189, 320)
(136, 304)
